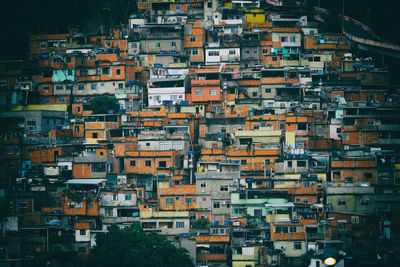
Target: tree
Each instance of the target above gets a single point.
(133, 247)
(103, 104)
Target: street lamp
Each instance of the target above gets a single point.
(330, 261)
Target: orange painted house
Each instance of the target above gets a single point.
(181, 197)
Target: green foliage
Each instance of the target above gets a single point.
(102, 104)
(200, 224)
(133, 247)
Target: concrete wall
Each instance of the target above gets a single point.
(107, 199)
(150, 46)
(289, 250)
(82, 238)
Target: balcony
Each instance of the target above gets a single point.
(229, 58)
(160, 35)
(112, 220)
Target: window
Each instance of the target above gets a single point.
(199, 91)
(158, 45)
(301, 163)
(297, 245)
(120, 85)
(195, 52)
(94, 86)
(209, 4)
(364, 202)
(213, 91)
(147, 144)
(43, 45)
(180, 224)
(192, 38)
(132, 163)
(213, 53)
(98, 167)
(302, 126)
(162, 164)
(45, 87)
(336, 175)
(76, 128)
(203, 184)
(305, 200)
(94, 135)
(368, 175)
(177, 146)
(341, 202)
(232, 52)
(128, 196)
(173, 44)
(257, 212)
(164, 146)
(105, 71)
(31, 123)
(293, 39)
(282, 126)
(81, 87)
(148, 163)
(188, 200)
(293, 229)
(289, 164)
(216, 205)
(281, 230)
(118, 71)
(133, 45)
(274, 58)
(265, 51)
(256, 126)
(188, 52)
(169, 201)
(284, 39)
(243, 162)
(223, 188)
(59, 87)
(255, 94)
(267, 90)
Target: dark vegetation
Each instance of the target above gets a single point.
(104, 104)
(133, 247)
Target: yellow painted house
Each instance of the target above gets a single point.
(255, 15)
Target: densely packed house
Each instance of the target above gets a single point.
(243, 134)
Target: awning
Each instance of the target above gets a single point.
(85, 181)
(203, 245)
